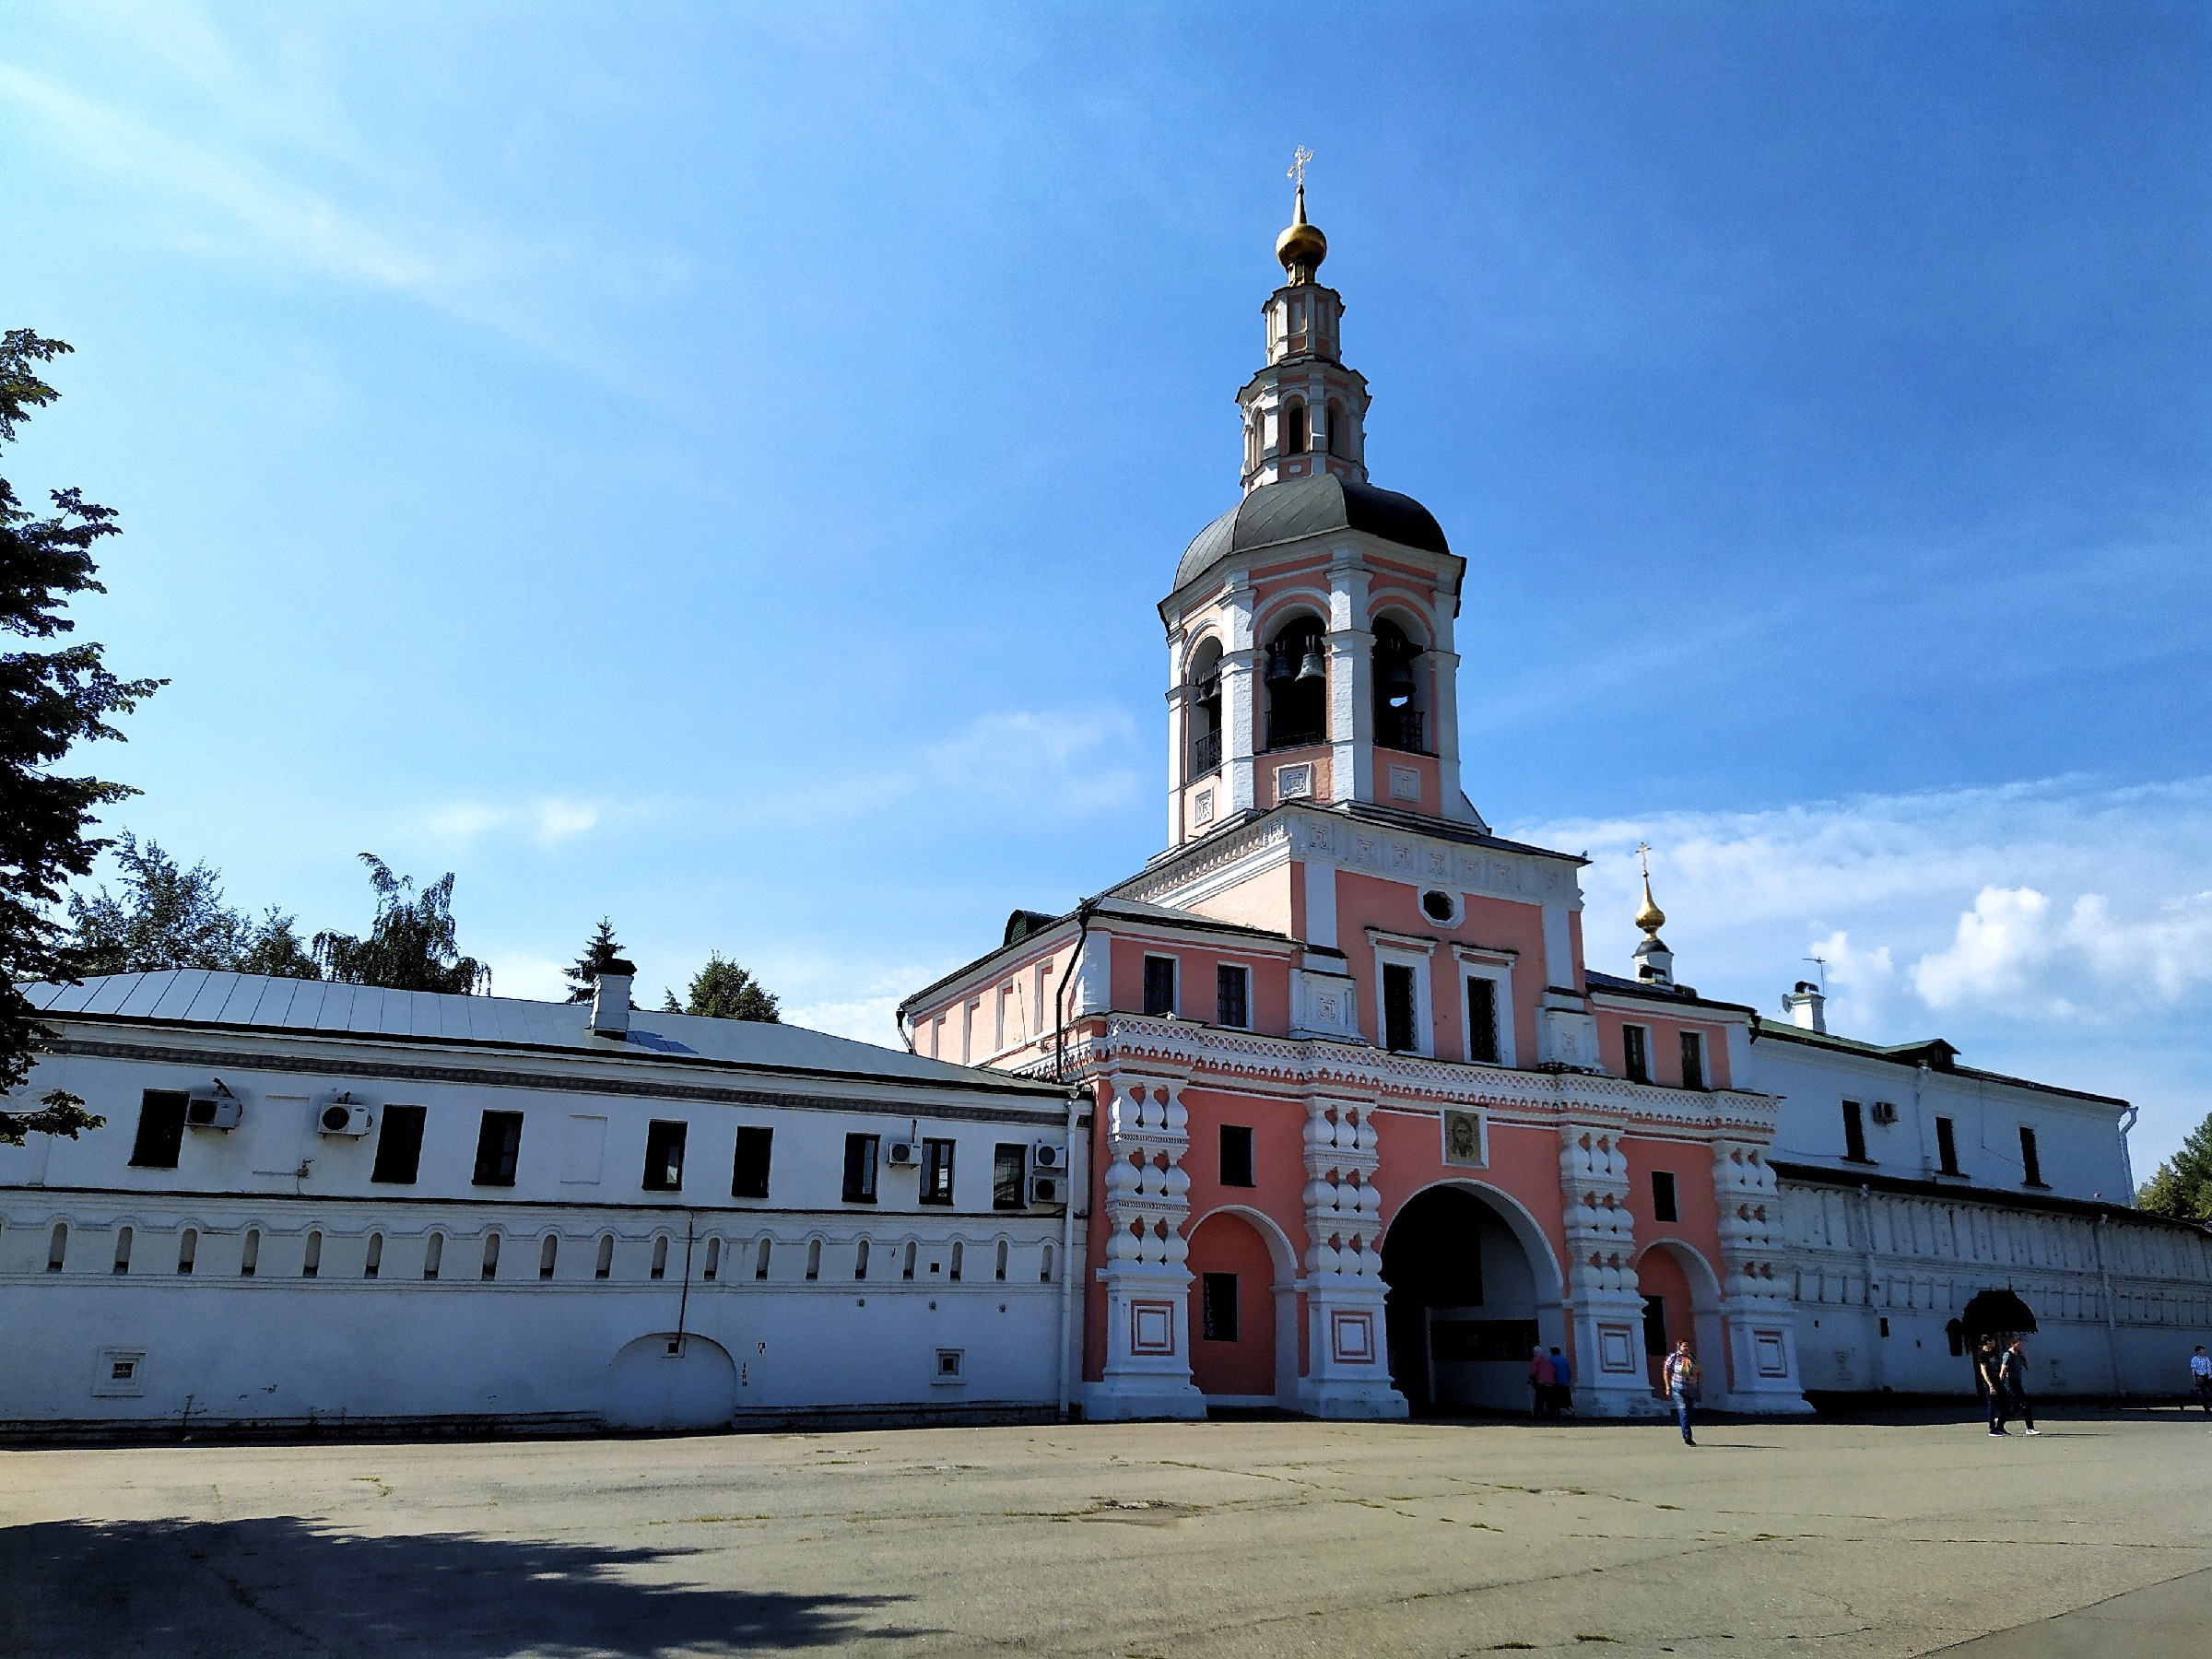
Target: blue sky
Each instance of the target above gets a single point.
(715, 466)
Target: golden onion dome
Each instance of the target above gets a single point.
(1303, 247)
(1651, 918)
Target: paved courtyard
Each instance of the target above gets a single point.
(1237, 1539)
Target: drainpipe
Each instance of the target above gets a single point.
(1866, 1223)
(1067, 1253)
(2127, 1161)
(2111, 1334)
(1084, 912)
(683, 1300)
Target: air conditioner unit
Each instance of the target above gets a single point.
(1048, 1189)
(1048, 1154)
(1885, 1112)
(341, 1114)
(902, 1152)
(214, 1107)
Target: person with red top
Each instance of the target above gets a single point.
(1542, 1379)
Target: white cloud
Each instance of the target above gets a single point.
(2058, 929)
(867, 1019)
(532, 978)
(547, 821)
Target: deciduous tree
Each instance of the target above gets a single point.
(411, 946)
(50, 702)
(2181, 1186)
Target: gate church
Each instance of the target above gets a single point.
(1366, 1131)
(1366, 1128)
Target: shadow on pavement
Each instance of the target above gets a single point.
(286, 1586)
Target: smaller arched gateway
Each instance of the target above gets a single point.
(1244, 1310)
(671, 1380)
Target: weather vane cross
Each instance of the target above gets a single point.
(1298, 165)
(1643, 854)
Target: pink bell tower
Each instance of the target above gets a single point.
(1310, 634)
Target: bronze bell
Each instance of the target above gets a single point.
(1397, 684)
(1312, 668)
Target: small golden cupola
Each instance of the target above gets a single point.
(1303, 247)
(1654, 961)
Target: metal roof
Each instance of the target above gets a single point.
(255, 1002)
(1300, 507)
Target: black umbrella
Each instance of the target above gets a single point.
(1997, 1313)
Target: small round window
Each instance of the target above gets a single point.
(1440, 906)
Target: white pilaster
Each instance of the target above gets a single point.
(1351, 680)
(1348, 1369)
(1148, 1368)
(1606, 1311)
(1758, 1310)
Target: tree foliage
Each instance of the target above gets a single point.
(167, 916)
(50, 702)
(601, 951)
(2181, 1186)
(722, 990)
(412, 944)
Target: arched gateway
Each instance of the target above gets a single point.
(1473, 1289)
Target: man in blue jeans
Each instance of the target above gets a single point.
(1680, 1376)
(1562, 1379)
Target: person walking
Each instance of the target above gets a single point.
(2012, 1376)
(1542, 1379)
(1680, 1377)
(2200, 1378)
(1987, 1379)
(1562, 1377)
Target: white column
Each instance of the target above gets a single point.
(1606, 1315)
(1348, 1362)
(1444, 692)
(1757, 1311)
(1351, 681)
(1148, 1368)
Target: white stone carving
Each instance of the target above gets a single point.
(1756, 1303)
(1148, 1371)
(1607, 1307)
(1347, 1374)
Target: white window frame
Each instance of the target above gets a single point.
(1500, 974)
(1396, 950)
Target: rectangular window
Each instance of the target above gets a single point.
(399, 1146)
(1160, 986)
(1218, 1307)
(160, 1129)
(1236, 1156)
(937, 1172)
(1232, 996)
(1636, 1053)
(1946, 1146)
(1854, 1134)
(1009, 1176)
(2029, 1161)
(1397, 1009)
(748, 1173)
(1482, 1020)
(664, 1156)
(498, 1143)
(1663, 1196)
(1693, 1060)
(860, 1168)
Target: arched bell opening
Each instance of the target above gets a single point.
(1473, 1291)
(1338, 442)
(1401, 710)
(1243, 1311)
(1202, 708)
(1298, 685)
(1682, 1299)
(1296, 434)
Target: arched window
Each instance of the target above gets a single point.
(1400, 722)
(1294, 430)
(713, 1259)
(814, 1258)
(374, 1264)
(1335, 434)
(761, 1261)
(249, 1260)
(1001, 1258)
(606, 1256)
(958, 1250)
(188, 1249)
(859, 1261)
(433, 1255)
(1298, 685)
(1046, 1276)
(1205, 708)
(660, 1256)
(57, 1249)
(122, 1250)
(311, 1264)
(906, 1267)
(547, 1254)
(491, 1255)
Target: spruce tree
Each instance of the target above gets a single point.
(722, 990)
(2181, 1186)
(600, 951)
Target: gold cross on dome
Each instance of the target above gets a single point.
(1643, 854)
(1298, 165)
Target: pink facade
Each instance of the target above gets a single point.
(1364, 1129)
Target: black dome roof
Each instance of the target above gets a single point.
(1282, 513)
